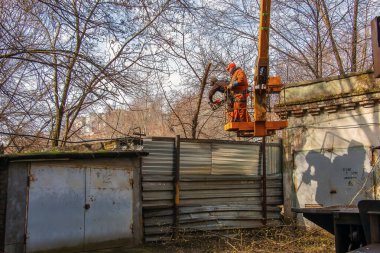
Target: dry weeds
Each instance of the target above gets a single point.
(287, 239)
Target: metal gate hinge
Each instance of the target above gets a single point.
(25, 237)
(30, 179)
(131, 227)
(131, 182)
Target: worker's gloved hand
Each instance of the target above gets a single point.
(231, 85)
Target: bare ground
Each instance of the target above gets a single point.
(286, 239)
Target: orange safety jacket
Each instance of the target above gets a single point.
(239, 77)
(240, 91)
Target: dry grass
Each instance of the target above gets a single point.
(289, 239)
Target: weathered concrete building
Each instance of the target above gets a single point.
(334, 123)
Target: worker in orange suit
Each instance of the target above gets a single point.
(239, 88)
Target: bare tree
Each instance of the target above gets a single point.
(63, 60)
(87, 52)
(200, 96)
(354, 41)
(322, 7)
(309, 38)
(298, 37)
(189, 50)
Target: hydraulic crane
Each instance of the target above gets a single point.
(263, 86)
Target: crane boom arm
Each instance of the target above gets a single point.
(263, 85)
(262, 66)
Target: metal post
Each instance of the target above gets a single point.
(264, 182)
(176, 186)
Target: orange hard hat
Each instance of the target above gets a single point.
(231, 66)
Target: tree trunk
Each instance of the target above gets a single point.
(62, 103)
(326, 18)
(319, 46)
(57, 128)
(200, 96)
(354, 42)
(367, 36)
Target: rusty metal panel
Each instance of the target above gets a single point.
(16, 207)
(55, 211)
(195, 158)
(81, 205)
(334, 177)
(220, 187)
(161, 158)
(273, 158)
(235, 159)
(158, 169)
(158, 192)
(219, 202)
(109, 206)
(109, 210)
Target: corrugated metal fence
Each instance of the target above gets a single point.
(220, 186)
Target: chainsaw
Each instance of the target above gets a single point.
(218, 103)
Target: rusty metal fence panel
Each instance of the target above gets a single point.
(157, 189)
(274, 159)
(195, 158)
(233, 159)
(157, 173)
(220, 186)
(224, 202)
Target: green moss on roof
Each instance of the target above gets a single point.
(72, 155)
(358, 92)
